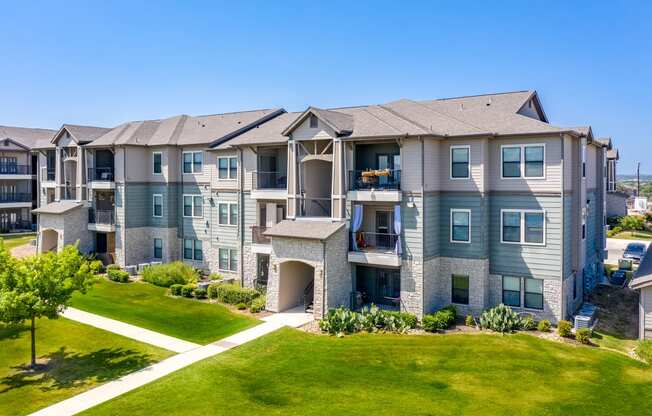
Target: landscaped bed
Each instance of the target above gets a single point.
(148, 306)
(75, 358)
(292, 372)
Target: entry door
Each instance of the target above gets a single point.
(263, 268)
(383, 239)
(100, 242)
(388, 286)
(382, 161)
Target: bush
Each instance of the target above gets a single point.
(258, 304)
(175, 289)
(644, 350)
(188, 291)
(112, 267)
(96, 267)
(614, 231)
(340, 321)
(409, 319)
(118, 275)
(564, 328)
(440, 320)
(528, 324)
(201, 293)
(632, 223)
(215, 276)
(583, 335)
(544, 325)
(166, 275)
(232, 293)
(241, 306)
(469, 321)
(500, 319)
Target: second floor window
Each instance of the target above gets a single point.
(460, 226)
(523, 161)
(523, 226)
(227, 167)
(228, 213)
(193, 162)
(193, 206)
(157, 201)
(157, 163)
(460, 162)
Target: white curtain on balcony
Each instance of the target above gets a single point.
(397, 229)
(356, 223)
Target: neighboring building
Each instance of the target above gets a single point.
(616, 200)
(617, 204)
(642, 282)
(411, 204)
(18, 176)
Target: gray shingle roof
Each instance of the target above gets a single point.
(85, 134)
(28, 137)
(315, 230)
(56, 208)
(612, 154)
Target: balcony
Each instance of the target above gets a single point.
(314, 207)
(101, 220)
(260, 243)
(16, 200)
(383, 185)
(374, 248)
(269, 185)
(18, 225)
(101, 178)
(47, 175)
(15, 171)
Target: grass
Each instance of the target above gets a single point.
(617, 315)
(633, 235)
(11, 241)
(290, 372)
(77, 357)
(148, 306)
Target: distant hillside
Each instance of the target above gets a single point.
(645, 177)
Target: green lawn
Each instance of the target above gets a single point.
(147, 306)
(11, 241)
(78, 357)
(633, 235)
(294, 373)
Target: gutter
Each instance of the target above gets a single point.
(241, 209)
(563, 219)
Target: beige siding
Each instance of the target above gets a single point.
(646, 302)
(411, 168)
(304, 132)
(431, 161)
(212, 169)
(476, 157)
(591, 169)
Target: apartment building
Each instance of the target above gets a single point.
(410, 205)
(18, 176)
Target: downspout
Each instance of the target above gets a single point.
(124, 204)
(423, 227)
(324, 295)
(183, 234)
(241, 229)
(563, 219)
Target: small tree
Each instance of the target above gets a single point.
(40, 286)
(632, 223)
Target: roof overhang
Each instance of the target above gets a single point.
(246, 128)
(14, 142)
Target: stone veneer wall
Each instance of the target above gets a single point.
(138, 246)
(339, 281)
(478, 272)
(249, 266)
(71, 226)
(431, 285)
(412, 286)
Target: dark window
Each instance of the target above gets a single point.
(313, 121)
(158, 205)
(157, 163)
(224, 259)
(534, 227)
(575, 286)
(583, 231)
(187, 163)
(511, 291)
(223, 214)
(460, 162)
(233, 168)
(534, 293)
(198, 206)
(187, 249)
(199, 255)
(187, 206)
(158, 248)
(584, 169)
(460, 292)
(534, 161)
(233, 215)
(233, 257)
(511, 162)
(460, 226)
(512, 227)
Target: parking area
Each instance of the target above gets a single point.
(616, 247)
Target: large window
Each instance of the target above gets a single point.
(511, 291)
(460, 292)
(228, 259)
(460, 226)
(157, 202)
(193, 162)
(227, 168)
(187, 249)
(193, 206)
(158, 248)
(523, 161)
(192, 250)
(227, 213)
(533, 297)
(157, 163)
(460, 156)
(523, 226)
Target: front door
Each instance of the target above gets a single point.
(383, 238)
(262, 269)
(388, 287)
(100, 243)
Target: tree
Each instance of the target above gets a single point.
(40, 286)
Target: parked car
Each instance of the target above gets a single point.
(635, 252)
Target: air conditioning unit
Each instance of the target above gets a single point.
(142, 266)
(155, 263)
(132, 270)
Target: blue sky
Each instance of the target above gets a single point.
(105, 63)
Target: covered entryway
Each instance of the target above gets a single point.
(49, 241)
(296, 285)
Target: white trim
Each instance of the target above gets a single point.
(450, 161)
(192, 164)
(228, 214)
(183, 250)
(154, 164)
(522, 213)
(452, 211)
(183, 205)
(229, 250)
(154, 206)
(228, 168)
(522, 161)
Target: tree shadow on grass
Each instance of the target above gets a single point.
(63, 370)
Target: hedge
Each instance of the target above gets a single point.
(166, 275)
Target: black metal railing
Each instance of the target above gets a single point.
(101, 216)
(381, 179)
(257, 236)
(100, 174)
(15, 197)
(270, 180)
(314, 207)
(18, 225)
(368, 241)
(14, 169)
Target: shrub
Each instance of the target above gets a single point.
(409, 319)
(528, 323)
(340, 321)
(544, 325)
(440, 320)
(583, 335)
(166, 275)
(644, 350)
(175, 289)
(469, 321)
(201, 293)
(258, 304)
(112, 267)
(96, 267)
(241, 306)
(118, 275)
(215, 276)
(613, 231)
(188, 291)
(232, 293)
(632, 223)
(500, 319)
(564, 328)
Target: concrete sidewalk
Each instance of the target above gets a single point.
(130, 331)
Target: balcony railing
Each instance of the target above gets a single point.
(257, 235)
(15, 197)
(381, 179)
(314, 207)
(101, 216)
(17, 225)
(47, 175)
(14, 169)
(100, 174)
(269, 180)
(373, 242)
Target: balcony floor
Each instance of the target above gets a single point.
(375, 256)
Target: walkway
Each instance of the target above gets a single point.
(113, 389)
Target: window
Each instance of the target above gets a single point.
(227, 168)
(583, 231)
(523, 226)
(192, 250)
(533, 293)
(575, 286)
(583, 161)
(193, 162)
(157, 163)
(526, 161)
(228, 259)
(157, 201)
(158, 248)
(233, 215)
(187, 249)
(460, 287)
(227, 213)
(511, 291)
(313, 121)
(460, 226)
(460, 162)
(199, 255)
(193, 206)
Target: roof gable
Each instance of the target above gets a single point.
(7, 144)
(340, 123)
(79, 134)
